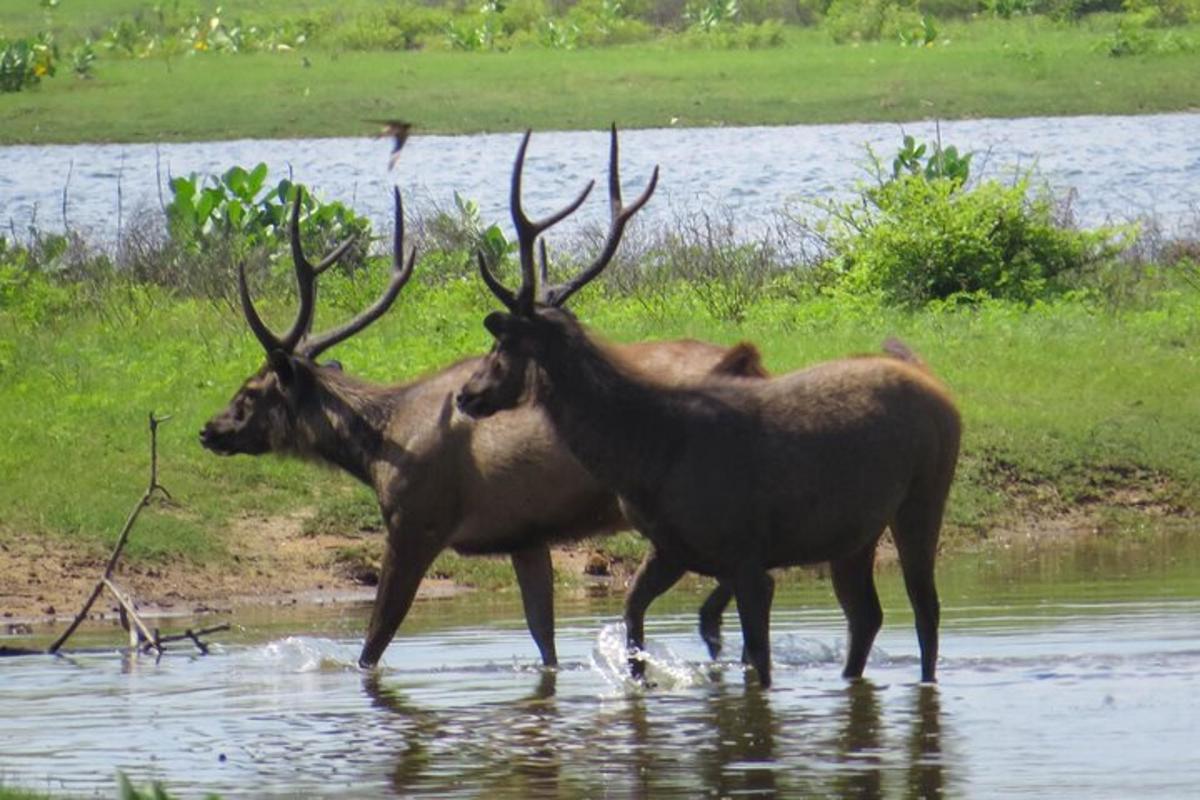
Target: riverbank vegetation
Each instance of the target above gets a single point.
(1071, 352)
(130, 70)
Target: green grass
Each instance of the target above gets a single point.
(984, 68)
(1062, 402)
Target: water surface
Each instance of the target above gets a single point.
(1116, 168)
(1066, 673)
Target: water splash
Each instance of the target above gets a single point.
(298, 654)
(665, 669)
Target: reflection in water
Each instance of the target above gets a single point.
(715, 740)
(1094, 698)
(744, 730)
(859, 744)
(417, 729)
(925, 763)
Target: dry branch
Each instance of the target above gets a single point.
(141, 636)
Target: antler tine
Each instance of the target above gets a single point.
(401, 271)
(503, 294)
(268, 340)
(543, 264)
(305, 282)
(529, 230)
(558, 295)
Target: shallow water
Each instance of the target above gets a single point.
(1117, 168)
(1064, 673)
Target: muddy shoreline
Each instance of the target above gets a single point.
(272, 564)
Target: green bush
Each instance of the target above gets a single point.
(404, 26)
(237, 206)
(871, 20)
(1164, 12)
(24, 62)
(917, 239)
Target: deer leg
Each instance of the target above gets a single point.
(916, 533)
(710, 617)
(656, 574)
(404, 565)
(753, 588)
(854, 584)
(535, 577)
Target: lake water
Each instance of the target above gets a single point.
(1117, 168)
(1068, 673)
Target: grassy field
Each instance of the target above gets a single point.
(1067, 404)
(982, 68)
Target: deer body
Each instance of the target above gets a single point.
(731, 477)
(442, 480)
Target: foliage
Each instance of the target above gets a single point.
(924, 235)
(83, 59)
(238, 206)
(1162, 13)
(708, 15)
(403, 26)
(1137, 34)
(462, 233)
(24, 62)
(944, 162)
(871, 20)
(1007, 9)
(167, 32)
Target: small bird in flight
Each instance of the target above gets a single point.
(398, 130)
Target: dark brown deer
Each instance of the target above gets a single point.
(730, 477)
(441, 479)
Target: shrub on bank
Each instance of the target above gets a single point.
(925, 232)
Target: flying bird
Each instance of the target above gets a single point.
(398, 130)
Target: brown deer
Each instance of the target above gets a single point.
(441, 479)
(730, 477)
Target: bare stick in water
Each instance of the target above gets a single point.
(106, 578)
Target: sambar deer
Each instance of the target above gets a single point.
(441, 479)
(731, 477)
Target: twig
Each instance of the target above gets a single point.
(158, 177)
(65, 194)
(105, 579)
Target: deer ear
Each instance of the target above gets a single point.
(283, 366)
(499, 324)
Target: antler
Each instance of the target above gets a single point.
(521, 302)
(559, 294)
(306, 274)
(401, 271)
(528, 232)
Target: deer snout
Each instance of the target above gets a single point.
(211, 439)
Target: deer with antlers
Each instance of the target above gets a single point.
(442, 480)
(731, 477)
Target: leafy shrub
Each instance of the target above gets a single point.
(238, 207)
(604, 22)
(402, 27)
(918, 239)
(871, 20)
(1135, 36)
(455, 236)
(24, 62)
(708, 15)
(1007, 9)
(1164, 12)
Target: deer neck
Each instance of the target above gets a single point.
(348, 425)
(617, 425)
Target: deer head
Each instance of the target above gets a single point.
(262, 416)
(522, 332)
